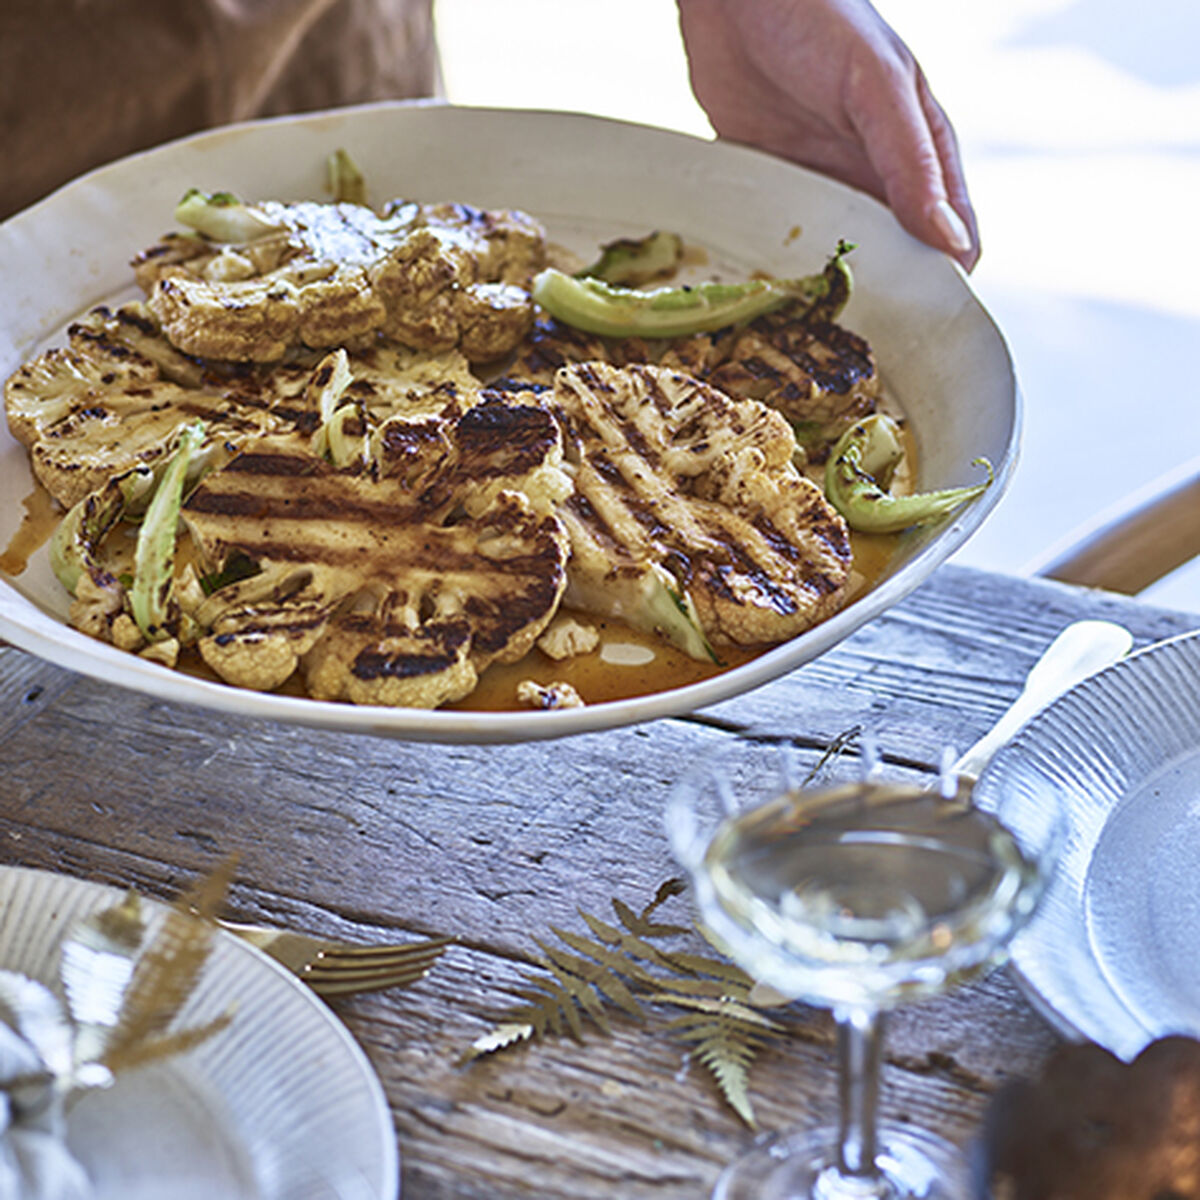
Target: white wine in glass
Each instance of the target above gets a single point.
(855, 897)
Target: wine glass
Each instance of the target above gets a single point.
(854, 896)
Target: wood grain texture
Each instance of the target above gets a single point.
(369, 839)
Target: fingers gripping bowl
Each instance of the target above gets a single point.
(588, 181)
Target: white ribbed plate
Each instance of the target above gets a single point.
(281, 1105)
(589, 180)
(1113, 954)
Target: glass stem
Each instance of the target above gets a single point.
(860, 1039)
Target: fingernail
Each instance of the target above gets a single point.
(951, 226)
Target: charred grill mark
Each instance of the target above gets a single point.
(768, 594)
(253, 463)
(643, 513)
(582, 509)
(759, 369)
(304, 420)
(820, 582)
(656, 396)
(593, 380)
(499, 621)
(497, 438)
(508, 386)
(376, 663)
(779, 542)
(636, 440)
(293, 624)
(137, 320)
(321, 509)
(607, 470)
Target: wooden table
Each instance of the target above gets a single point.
(366, 838)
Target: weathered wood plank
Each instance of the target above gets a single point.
(944, 664)
(366, 838)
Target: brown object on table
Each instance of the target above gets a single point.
(1144, 537)
(1095, 1128)
(358, 837)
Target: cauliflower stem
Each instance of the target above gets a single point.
(859, 474)
(154, 558)
(76, 541)
(595, 306)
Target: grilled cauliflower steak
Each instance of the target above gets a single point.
(393, 471)
(395, 584)
(118, 393)
(324, 275)
(102, 405)
(818, 374)
(679, 487)
(821, 376)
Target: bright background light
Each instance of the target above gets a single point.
(1079, 122)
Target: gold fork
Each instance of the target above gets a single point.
(334, 968)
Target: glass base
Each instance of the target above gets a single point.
(912, 1165)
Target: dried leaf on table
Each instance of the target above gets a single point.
(166, 974)
(726, 1035)
(620, 966)
(123, 993)
(167, 1045)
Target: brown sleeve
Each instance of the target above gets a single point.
(85, 81)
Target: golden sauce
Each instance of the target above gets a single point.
(595, 676)
(37, 527)
(598, 681)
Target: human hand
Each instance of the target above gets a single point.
(828, 84)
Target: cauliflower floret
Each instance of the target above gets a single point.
(101, 405)
(259, 628)
(509, 246)
(435, 302)
(548, 695)
(50, 387)
(165, 653)
(366, 660)
(97, 603)
(257, 320)
(458, 599)
(125, 633)
(566, 637)
(119, 393)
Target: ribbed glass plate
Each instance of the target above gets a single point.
(281, 1105)
(1114, 952)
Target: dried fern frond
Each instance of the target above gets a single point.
(139, 1054)
(633, 947)
(640, 925)
(726, 1036)
(601, 968)
(98, 958)
(620, 964)
(500, 1037)
(165, 975)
